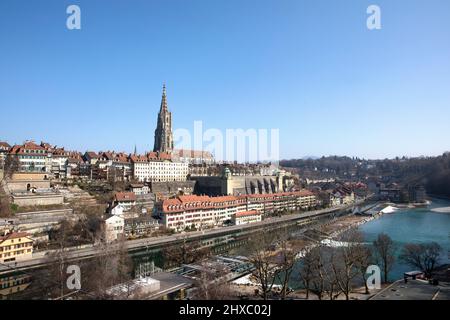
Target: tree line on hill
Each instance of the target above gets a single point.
(432, 172)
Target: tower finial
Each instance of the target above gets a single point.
(164, 98)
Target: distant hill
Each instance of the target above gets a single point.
(432, 172)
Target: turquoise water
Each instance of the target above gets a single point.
(412, 226)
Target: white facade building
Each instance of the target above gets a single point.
(139, 189)
(117, 210)
(114, 228)
(126, 200)
(199, 211)
(202, 211)
(32, 157)
(157, 169)
(247, 217)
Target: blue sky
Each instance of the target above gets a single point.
(310, 68)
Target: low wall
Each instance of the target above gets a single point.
(43, 214)
(41, 221)
(38, 200)
(29, 176)
(22, 185)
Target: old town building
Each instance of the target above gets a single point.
(15, 246)
(203, 211)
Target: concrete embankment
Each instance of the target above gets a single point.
(40, 221)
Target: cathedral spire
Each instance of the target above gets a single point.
(164, 99)
(163, 132)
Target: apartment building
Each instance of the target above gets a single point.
(203, 211)
(4, 150)
(198, 211)
(60, 161)
(15, 246)
(126, 200)
(114, 228)
(158, 167)
(32, 157)
(246, 217)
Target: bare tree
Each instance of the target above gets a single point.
(5, 206)
(424, 256)
(364, 260)
(11, 166)
(306, 271)
(111, 266)
(333, 270)
(185, 253)
(318, 279)
(263, 261)
(209, 285)
(58, 259)
(345, 265)
(89, 227)
(284, 267)
(384, 249)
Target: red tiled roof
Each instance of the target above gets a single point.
(107, 156)
(193, 198)
(14, 235)
(248, 213)
(47, 146)
(30, 146)
(60, 152)
(121, 157)
(125, 196)
(5, 145)
(92, 155)
(164, 156)
(194, 202)
(151, 156)
(138, 158)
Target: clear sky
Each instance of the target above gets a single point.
(310, 68)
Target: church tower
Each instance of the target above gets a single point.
(163, 132)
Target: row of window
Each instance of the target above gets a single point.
(35, 151)
(14, 253)
(16, 246)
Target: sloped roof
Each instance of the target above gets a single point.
(248, 213)
(14, 235)
(125, 196)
